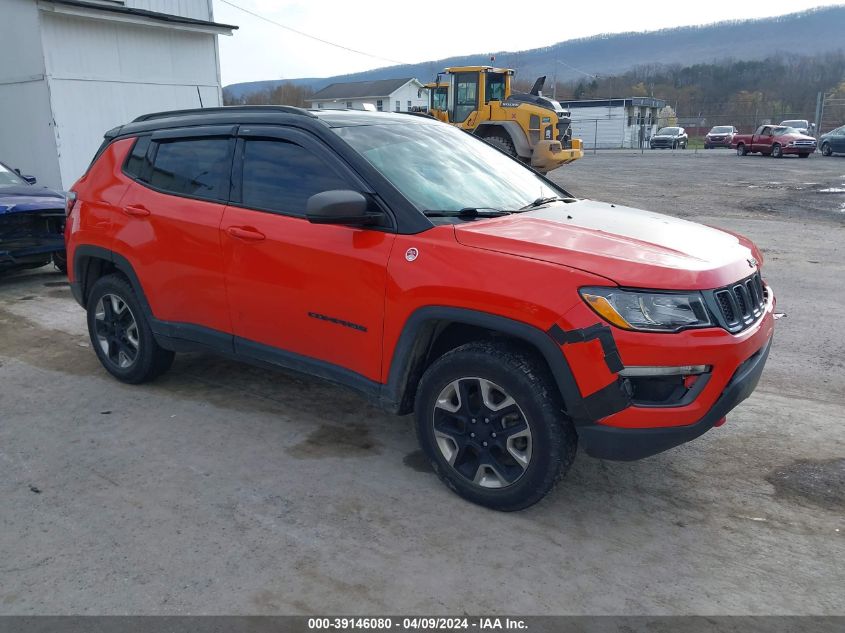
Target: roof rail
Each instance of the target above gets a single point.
(222, 109)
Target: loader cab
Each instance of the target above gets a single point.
(438, 96)
(472, 86)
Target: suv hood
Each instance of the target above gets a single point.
(629, 246)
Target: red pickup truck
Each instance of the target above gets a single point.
(774, 140)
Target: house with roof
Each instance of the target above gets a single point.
(385, 95)
(72, 69)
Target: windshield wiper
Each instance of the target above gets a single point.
(466, 212)
(539, 202)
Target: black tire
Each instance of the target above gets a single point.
(741, 150)
(804, 155)
(777, 151)
(706, 147)
(60, 261)
(826, 150)
(504, 143)
(521, 375)
(133, 354)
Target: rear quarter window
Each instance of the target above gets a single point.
(137, 163)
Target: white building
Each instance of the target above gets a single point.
(72, 69)
(614, 123)
(385, 95)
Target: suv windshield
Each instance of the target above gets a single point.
(439, 167)
(722, 129)
(669, 131)
(9, 178)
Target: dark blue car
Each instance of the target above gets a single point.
(32, 223)
(833, 142)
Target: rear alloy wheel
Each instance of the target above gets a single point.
(490, 419)
(826, 151)
(777, 151)
(121, 335)
(741, 150)
(116, 330)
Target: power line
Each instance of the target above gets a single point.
(577, 70)
(313, 37)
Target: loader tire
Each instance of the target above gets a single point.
(502, 143)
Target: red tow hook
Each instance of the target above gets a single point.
(721, 422)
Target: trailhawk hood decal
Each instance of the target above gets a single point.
(629, 246)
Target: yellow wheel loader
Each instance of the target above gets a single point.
(529, 126)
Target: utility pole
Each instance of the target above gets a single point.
(819, 111)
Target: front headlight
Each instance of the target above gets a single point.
(648, 311)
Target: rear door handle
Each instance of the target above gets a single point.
(136, 210)
(245, 233)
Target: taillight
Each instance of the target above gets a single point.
(70, 201)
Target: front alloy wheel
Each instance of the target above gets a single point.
(482, 432)
(116, 330)
(490, 419)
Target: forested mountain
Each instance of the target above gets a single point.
(807, 33)
(740, 93)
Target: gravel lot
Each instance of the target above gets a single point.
(223, 488)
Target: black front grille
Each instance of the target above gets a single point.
(741, 304)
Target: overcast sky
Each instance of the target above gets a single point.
(411, 32)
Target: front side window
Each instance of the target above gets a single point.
(466, 96)
(442, 168)
(438, 98)
(193, 167)
(279, 176)
(495, 87)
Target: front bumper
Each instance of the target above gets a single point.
(612, 408)
(549, 155)
(627, 444)
(799, 149)
(717, 142)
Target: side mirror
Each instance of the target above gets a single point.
(341, 206)
(30, 179)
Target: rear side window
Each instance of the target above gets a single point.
(137, 165)
(279, 176)
(198, 168)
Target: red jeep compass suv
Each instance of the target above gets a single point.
(424, 268)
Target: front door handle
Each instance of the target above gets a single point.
(245, 233)
(136, 210)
